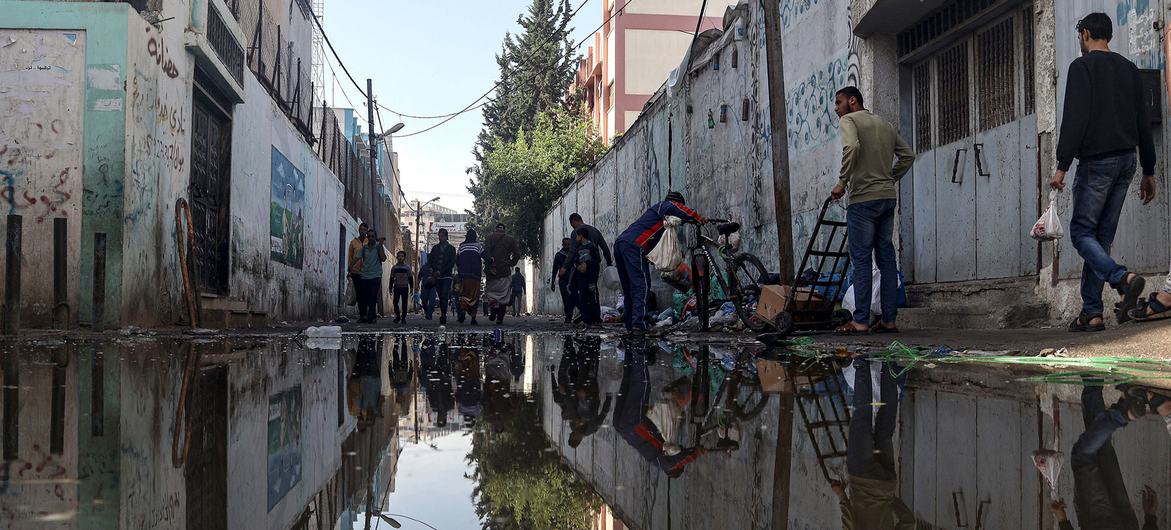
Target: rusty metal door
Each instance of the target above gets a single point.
(211, 148)
(975, 181)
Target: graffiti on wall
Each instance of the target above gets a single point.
(158, 50)
(287, 214)
(794, 10)
(809, 110)
(1144, 45)
(284, 443)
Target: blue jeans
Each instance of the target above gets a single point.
(1099, 491)
(1099, 192)
(870, 449)
(635, 274)
(870, 228)
(427, 301)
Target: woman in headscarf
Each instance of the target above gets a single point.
(469, 259)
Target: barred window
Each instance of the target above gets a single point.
(953, 101)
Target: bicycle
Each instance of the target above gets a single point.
(740, 287)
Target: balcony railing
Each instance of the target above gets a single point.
(230, 52)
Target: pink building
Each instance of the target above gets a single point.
(634, 53)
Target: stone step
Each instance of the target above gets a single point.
(219, 303)
(1020, 315)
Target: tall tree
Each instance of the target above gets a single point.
(536, 69)
(523, 177)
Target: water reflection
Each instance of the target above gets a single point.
(541, 431)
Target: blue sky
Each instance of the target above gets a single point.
(428, 57)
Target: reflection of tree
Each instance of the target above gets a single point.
(519, 485)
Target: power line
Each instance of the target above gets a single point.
(497, 85)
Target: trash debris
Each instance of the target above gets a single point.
(327, 332)
(324, 343)
(1048, 462)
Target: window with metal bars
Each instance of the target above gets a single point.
(1028, 61)
(940, 23)
(922, 81)
(996, 75)
(953, 100)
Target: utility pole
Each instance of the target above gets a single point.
(374, 158)
(779, 147)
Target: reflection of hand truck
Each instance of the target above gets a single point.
(811, 305)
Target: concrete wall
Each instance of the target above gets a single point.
(109, 149)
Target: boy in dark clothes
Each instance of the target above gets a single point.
(587, 267)
(401, 281)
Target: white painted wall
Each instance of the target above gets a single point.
(688, 8)
(42, 78)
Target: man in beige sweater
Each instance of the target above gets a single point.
(874, 158)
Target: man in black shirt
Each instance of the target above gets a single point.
(560, 280)
(577, 286)
(1103, 121)
(442, 260)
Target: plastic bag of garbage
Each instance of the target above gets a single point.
(875, 292)
(1048, 462)
(610, 278)
(323, 332)
(667, 255)
(1048, 227)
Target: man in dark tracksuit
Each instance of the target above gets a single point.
(631, 248)
(630, 419)
(1099, 491)
(560, 280)
(586, 268)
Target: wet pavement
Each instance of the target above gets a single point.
(465, 429)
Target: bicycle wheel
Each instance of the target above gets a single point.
(744, 395)
(747, 273)
(700, 284)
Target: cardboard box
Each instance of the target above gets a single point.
(773, 299)
(774, 375)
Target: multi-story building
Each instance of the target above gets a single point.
(633, 54)
(144, 111)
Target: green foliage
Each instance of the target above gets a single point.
(520, 485)
(522, 178)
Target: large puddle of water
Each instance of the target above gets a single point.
(459, 431)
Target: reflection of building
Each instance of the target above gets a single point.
(632, 55)
(273, 442)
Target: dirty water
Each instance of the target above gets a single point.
(492, 430)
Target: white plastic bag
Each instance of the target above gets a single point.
(1048, 227)
(875, 292)
(610, 278)
(666, 255)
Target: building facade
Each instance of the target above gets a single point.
(976, 85)
(633, 53)
(194, 172)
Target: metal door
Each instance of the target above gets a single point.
(975, 180)
(211, 147)
(206, 469)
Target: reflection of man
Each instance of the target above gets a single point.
(1099, 492)
(630, 416)
(365, 386)
(873, 502)
(436, 365)
(576, 390)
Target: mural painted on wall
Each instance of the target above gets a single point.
(810, 112)
(284, 443)
(1144, 45)
(793, 10)
(287, 214)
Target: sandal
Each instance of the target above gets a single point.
(884, 328)
(1131, 289)
(850, 329)
(1158, 311)
(1081, 324)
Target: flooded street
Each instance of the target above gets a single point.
(507, 430)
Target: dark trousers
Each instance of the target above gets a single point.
(401, 295)
(427, 300)
(443, 291)
(635, 274)
(566, 299)
(1099, 492)
(870, 449)
(517, 298)
(369, 291)
(871, 229)
(1099, 192)
(587, 299)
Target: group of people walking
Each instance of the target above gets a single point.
(463, 270)
(576, 270)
